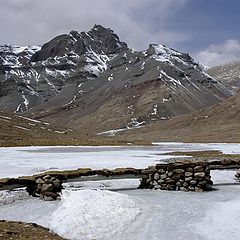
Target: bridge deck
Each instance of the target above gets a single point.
(87, 174)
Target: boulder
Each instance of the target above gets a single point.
(156, 176)
(198, 169)
(46, 188)
(57, 184)
(183, 189)
(188, 179)
(46, 177)
(39, 181)
(179, 171)
(49, 196)
(191, 188)
(169, 181)
(188, 174)
(163, 176)
(199, 174)
(198, 189)
(189, 169)
(170, 174)
(193, 182)
(161, 181)
(161, 171)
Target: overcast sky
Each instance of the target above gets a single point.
(207, 29)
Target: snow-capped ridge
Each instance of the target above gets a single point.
(162, 50)
(106, 71)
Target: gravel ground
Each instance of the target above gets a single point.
(25, 231)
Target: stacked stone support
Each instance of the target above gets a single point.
(179, 176)
(46, 187)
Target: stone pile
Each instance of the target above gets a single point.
(178, 176)
(46, 187)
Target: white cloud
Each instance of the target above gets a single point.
(219, 54)
(138, 22)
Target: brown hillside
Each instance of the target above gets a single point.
(219, 123)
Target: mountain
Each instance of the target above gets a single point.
(218, 123)
(93, 82)
(227, 74)
(17, 130)
(31, 76)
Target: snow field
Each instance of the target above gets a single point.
(93, 214)
(130, 214)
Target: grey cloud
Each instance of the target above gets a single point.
(138, 22)
(217, 54)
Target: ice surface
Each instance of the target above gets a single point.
(131, 215)
(7, 197)
(223, 176)
(93, 214)
(226, 148)
(20, 161)
(164, 214)
(221, 221)
(29, 160)
(114, 184)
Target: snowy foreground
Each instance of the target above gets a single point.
(88, 210)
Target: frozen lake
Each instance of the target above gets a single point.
(22, 161)
(88, 210)
(135, 214)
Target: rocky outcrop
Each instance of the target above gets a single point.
(182, 176)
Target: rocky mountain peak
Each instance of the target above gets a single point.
(106, 40)
(99, 39)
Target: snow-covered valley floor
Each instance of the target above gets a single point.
(88, 210)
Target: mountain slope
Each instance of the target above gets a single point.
(16, 130)
(218, 123)
(92, 82)
(227, 74)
